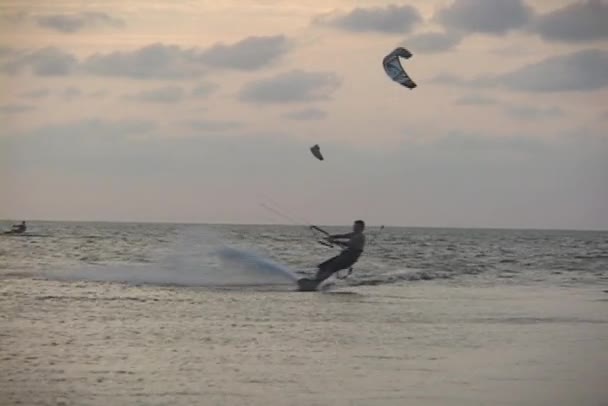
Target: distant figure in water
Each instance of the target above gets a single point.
(19, 228)
(353, 248)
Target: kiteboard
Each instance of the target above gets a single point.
(308, 285)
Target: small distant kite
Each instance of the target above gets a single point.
(392, 67)
(316, 151)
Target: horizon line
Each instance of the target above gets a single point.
(368, 226)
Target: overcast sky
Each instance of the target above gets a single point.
(201, 111)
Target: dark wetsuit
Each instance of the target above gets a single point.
(18, 229)
(344, 260)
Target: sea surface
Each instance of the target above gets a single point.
(120, 313)
(393, 255)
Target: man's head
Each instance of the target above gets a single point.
(358, 226)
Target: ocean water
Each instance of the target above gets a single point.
(197, 255)
(155, 314)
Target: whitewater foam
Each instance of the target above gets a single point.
(194, 260)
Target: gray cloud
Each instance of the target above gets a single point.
(43, 62)
(521, 112)
(584, 70)
(15, 108)
(293, 86)
(204, 90)
(14, 17)
(475, 100)
(6, 52)
(485, 16)
(533, 113)
(585, 20)
(212, 125)
(306, 114)
(156, 61)
(71, 23)
(70, 93)
(166, 94)
(36, 94)
(430, 42)
(98, 94)
(249, 53)
(453, 80)
(391, 19)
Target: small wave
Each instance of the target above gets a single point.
(401, 277)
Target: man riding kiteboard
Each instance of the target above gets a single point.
(353, 248)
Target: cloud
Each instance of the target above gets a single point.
(430, 42)
(44, 62)
(212, 125)
(6, 52)
(166, 94)
(533, 113)
(249, 53)
(453, 80)
(14, 17)
(36, 94)
(585, 70)
(204, 89)
(391, 19)
(293, 86)
(70, 93)
(15, 108)
(156, 61)
(98, 94)
(581, 21)
(495, 17)
(71, 23)
(306, 114)
(475, 100)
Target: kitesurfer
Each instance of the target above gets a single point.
(17, 229)
(353, 248)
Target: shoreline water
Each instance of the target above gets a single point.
(421, 343)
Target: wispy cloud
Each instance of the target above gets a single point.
(71, 92)
(306, 115)
(585, 20)
(292, 86)
(430, 42)
(212, 125)
(36, 94)
(44, 62)
(72, 23)
(249, 53)
(495, 17)
(585, 70)
(204, 89)
(533, 113)
(165, 94)
(392, 19)
(15, 108)
(155, 61)
(475, 100)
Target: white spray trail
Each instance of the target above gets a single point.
(196, 259)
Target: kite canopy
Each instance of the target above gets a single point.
(392, 67)
(316, 151)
